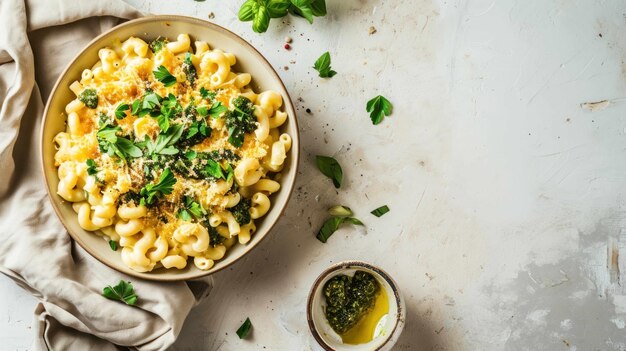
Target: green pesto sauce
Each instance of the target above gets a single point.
(348, 299)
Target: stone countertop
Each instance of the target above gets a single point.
(506, 189)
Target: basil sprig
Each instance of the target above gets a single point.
(322, 65)
(330, 168)
(261, 11)
(339, 216)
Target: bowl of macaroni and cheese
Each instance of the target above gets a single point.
(169, 148)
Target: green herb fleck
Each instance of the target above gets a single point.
(157, 44)
(380, 211)
(330, 168)
(245, 328)
(190, 209)
(164, 76)
(379, 107)
(189, 69)
(207, 94)
(89, 97)
(113, 245)
(240, 120)
(91, 167)
(123, 291)
(112, 144)
(241, 211)
(163, 187)
(120, 111)
(322, 65)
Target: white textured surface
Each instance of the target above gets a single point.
(506, 195)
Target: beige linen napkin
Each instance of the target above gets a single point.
(37, 40)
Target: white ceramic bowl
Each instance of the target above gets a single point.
(390, 326)
(248, 60)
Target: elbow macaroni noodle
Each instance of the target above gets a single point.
(203, 213)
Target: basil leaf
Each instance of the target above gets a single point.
(164, 76)
(113, 245)
(123, 291)
(120, 111)
(248, 11)
(379, 107)
(330, 168)
(322, 65)
(340, 211)
(278, 8)
(318, 7)
(261, 20)
(244, 329)
(332, 224)
(380, 211)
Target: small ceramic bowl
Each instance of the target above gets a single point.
(389, 326)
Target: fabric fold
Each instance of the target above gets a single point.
(37, 40)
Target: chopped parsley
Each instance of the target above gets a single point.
(190, 209)
(240, 120)
(216, 110)
(91, 167)
(241, 211)
(164, 76)
(165, 186)
(89, 97)
(157, 44)
(207, 94)
(189, 69)
(112, 144)
(113, 245)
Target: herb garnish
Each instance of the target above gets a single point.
(261, 11)
(165, 141)
(207, 94)
(89, 97)
(241, 211)
(113, 245)
(91, 167)
(112, 144)
(190, 208)
(163, 187)
(380, 211)
(120, 111)
(216, 110)
(330, 168)
(157, 44)
(240, 120)
(340, 215)
(244, 329)
(164, 76)
(378, 107)
(123, 291)
(189, 69)
(322, 65)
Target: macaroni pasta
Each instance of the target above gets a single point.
(169, 152)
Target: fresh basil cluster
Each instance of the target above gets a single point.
(261, 11)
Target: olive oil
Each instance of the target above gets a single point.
(363, 331)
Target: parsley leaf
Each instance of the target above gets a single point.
(322, 65)
(91, 167)
(244, 329)
(190, 208)
(112, 144)
(165, 141)
(380, 211)
(214, 169)
(120, 111)
(164, 76)
(113, 245)
(216, 110)
(379, 107)
(207, 94)
(330, 168)
(163, 187)
(123, 291)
